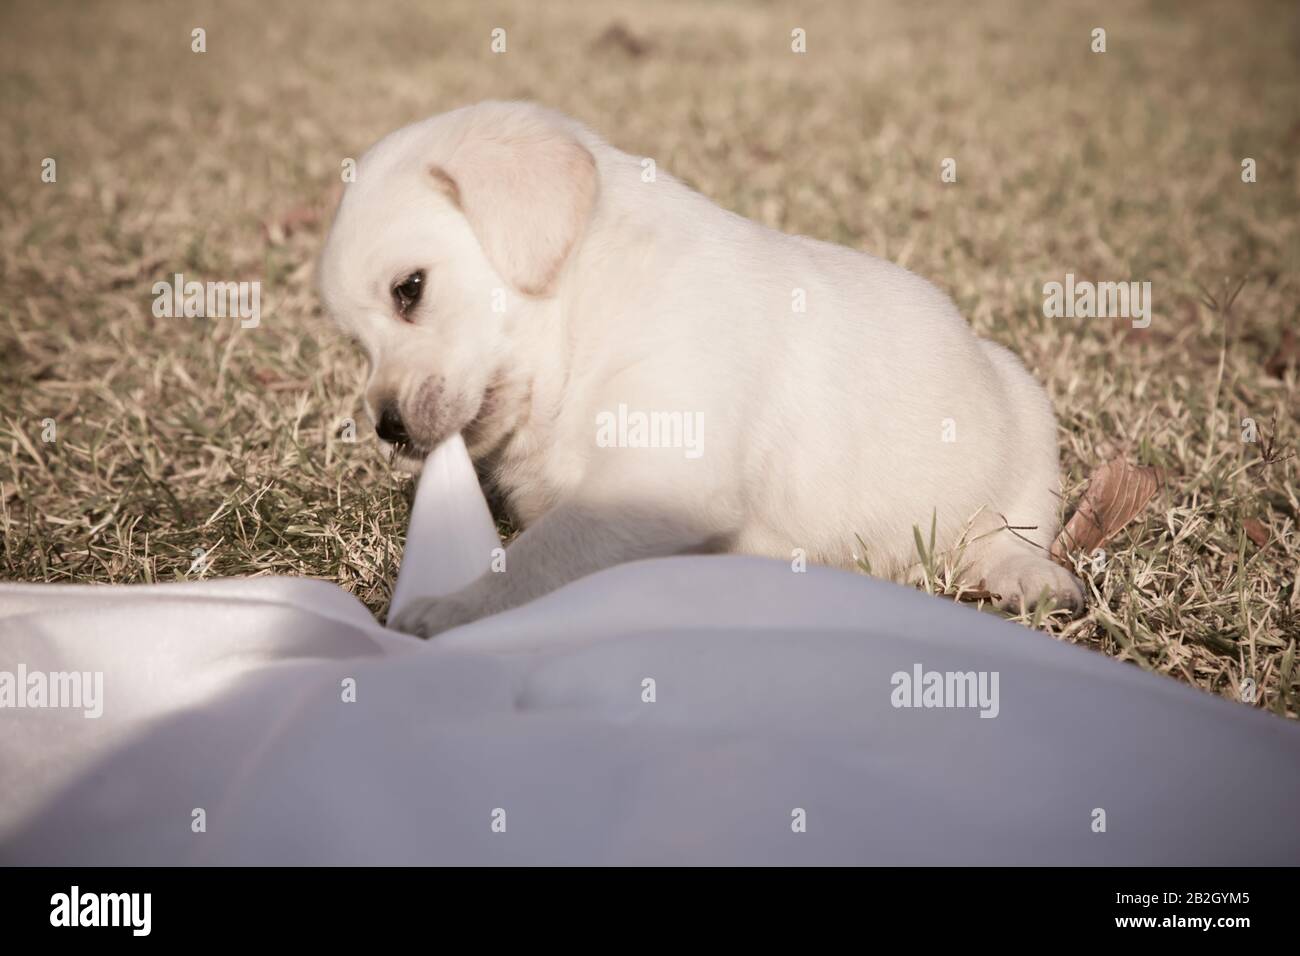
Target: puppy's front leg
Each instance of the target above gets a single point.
(568, 542)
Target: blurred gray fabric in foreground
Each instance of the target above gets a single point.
(774, 693)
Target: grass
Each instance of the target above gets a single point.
(172, 435)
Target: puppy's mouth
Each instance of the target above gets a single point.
(410, 455)
(408, 452)
(428, 423)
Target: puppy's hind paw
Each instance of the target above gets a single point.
(429, 617)
(1023, 581)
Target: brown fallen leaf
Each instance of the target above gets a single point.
(273, 382)
(304, 216)
(1256, 531)
(619, 38)
(1117, 491)
(980, 593)
(1287, 353)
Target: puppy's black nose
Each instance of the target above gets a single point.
(391, 428)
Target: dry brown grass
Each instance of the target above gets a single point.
(181, 434)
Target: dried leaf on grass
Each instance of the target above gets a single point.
(1257, 531)
(305, 216)
(1286, 355)
(1117, 492)
(618, 38)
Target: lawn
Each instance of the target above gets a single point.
(141, 449)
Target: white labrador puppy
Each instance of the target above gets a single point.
(642, 373)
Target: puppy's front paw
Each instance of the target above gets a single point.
(1023, 581)
(429, 617)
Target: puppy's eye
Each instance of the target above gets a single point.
(407, 292)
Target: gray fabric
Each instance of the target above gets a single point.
(773, 692)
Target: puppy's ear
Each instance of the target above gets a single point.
(527, 187)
